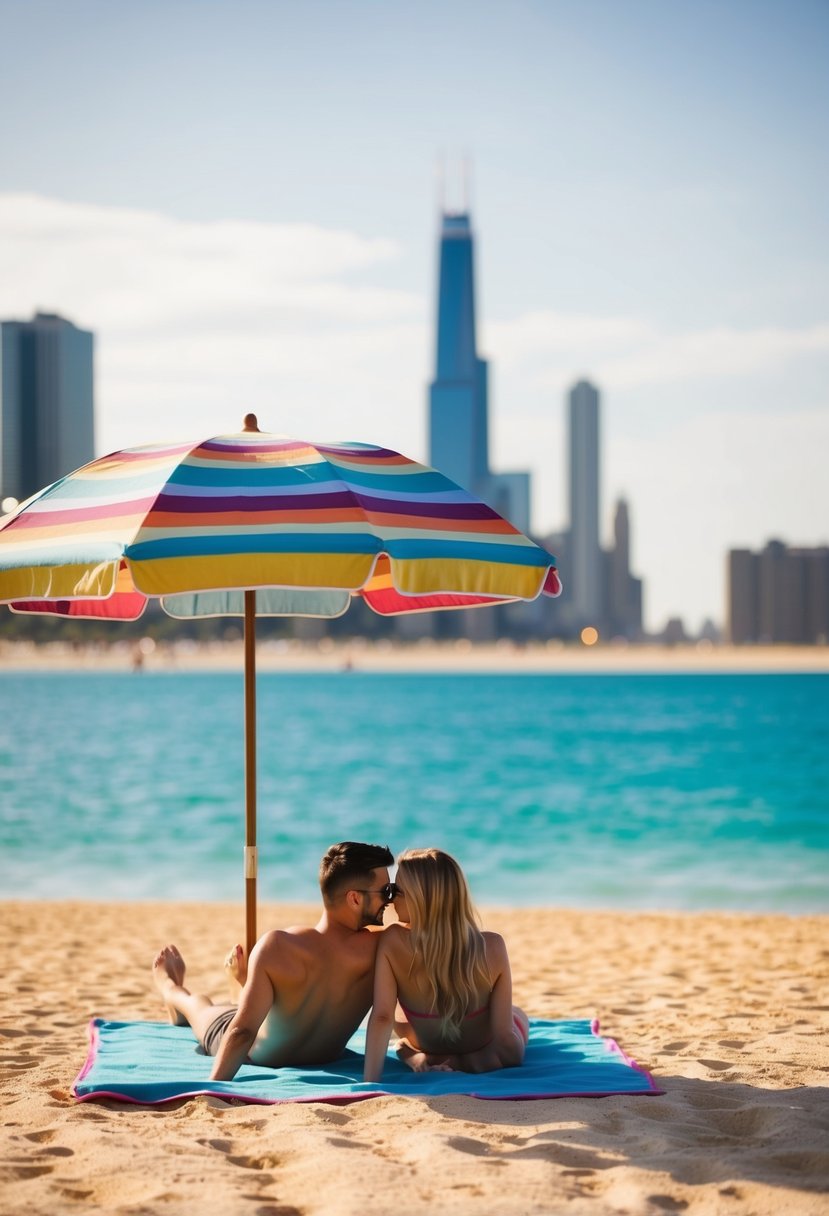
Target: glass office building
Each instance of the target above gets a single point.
(458, 396)
(47, 425)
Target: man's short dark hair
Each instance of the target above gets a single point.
(349, 865)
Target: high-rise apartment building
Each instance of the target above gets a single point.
(778, 595)
(585, 510)
(46, 402)
(458, 396)
(599, 588)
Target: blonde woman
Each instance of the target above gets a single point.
(451, 980)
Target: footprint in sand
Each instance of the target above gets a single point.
(42, 1137)
(802, 1164)
(221, 1146)
(21, 1169)
(331, 1116)
(702, 1101)
(661, 1112)
(268, 1161)
(342, 1142)
(744, 1122)
(667, 1203)
(464, 1145)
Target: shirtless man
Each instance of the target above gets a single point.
(305, 991)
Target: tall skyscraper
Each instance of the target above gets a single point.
(458, 396)
(586, 563)
(458, 410)
(46, 402)
(624, 592)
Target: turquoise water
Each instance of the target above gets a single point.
(622, 791)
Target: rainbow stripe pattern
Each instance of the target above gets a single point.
(306, 525)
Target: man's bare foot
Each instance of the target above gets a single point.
(168, 974)
(236, 967)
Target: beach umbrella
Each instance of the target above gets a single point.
(254, 524)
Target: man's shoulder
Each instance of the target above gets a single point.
(293, 940)
(287, 954)
(300, 939)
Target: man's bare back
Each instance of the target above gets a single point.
(305, 991)
(318, 985)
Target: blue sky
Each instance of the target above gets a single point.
(241, 200)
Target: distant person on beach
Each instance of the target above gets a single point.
(304, 991)
(451, 980)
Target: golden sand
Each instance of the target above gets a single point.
(461, 655)
(728, 1012)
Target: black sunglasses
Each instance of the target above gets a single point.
(387, 893)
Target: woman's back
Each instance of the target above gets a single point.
(451, 980)
(415, 995)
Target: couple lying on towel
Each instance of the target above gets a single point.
(304, 992)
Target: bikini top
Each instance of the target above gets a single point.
(412, 1013)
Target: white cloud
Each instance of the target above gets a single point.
(124, 269)
(197, 323)
(711, 353)
(553, 348)
(363, 384)
(555, 333)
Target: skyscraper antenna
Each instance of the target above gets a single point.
(466, 171)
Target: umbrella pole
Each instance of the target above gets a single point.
(250, 771)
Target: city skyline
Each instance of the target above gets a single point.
(244, 229)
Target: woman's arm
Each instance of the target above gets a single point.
(506, 1048)
(381, 1019)
(500, 1003)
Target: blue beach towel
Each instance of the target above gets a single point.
(152, 1062)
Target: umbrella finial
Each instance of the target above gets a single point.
(250, 423)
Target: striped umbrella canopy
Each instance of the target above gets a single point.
(254, 524)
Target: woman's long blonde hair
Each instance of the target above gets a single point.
(445, 934)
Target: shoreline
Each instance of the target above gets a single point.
(726, 1010)
(304, 910)
(459, 656)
